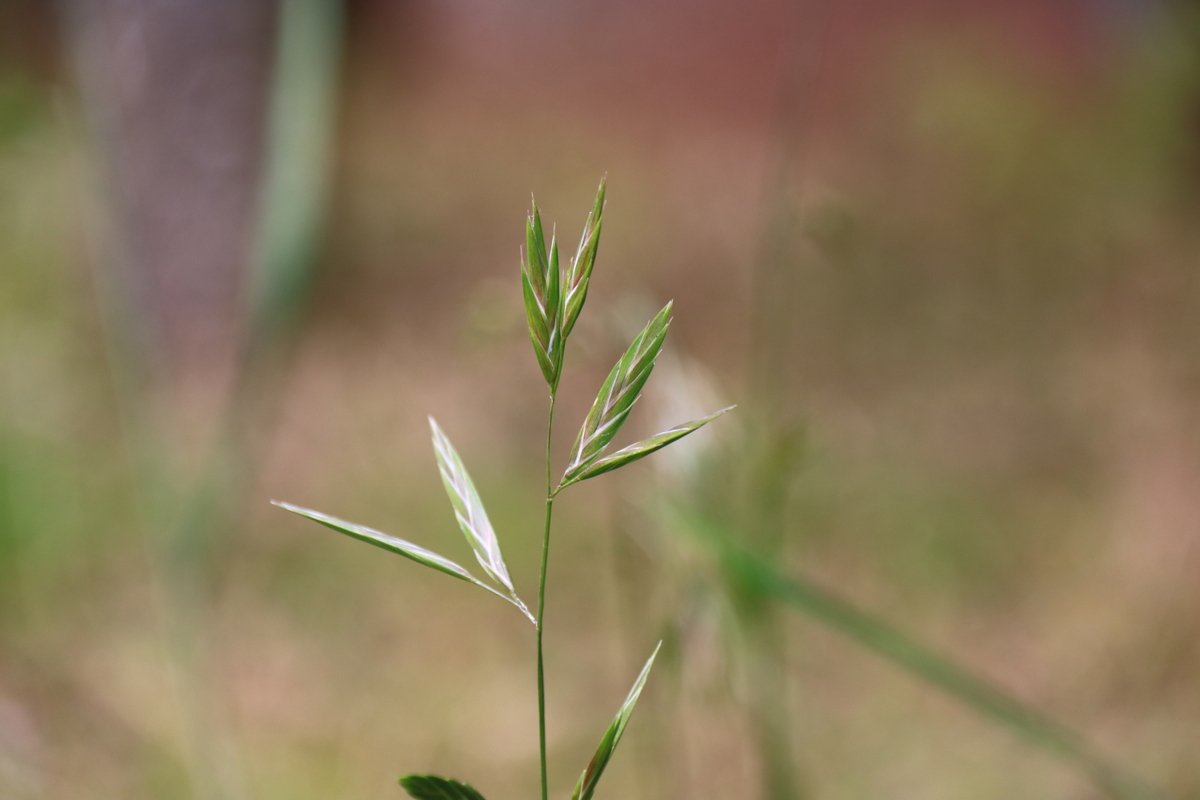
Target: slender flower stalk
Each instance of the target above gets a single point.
(541, 612)
(554, 296)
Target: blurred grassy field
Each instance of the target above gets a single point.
(952, 263)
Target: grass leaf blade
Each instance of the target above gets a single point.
(586, 785)
(617, 395)
(432, 787)
(638, 450)
(1036, 728)
(468, 508)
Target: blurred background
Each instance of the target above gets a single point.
(943, 254)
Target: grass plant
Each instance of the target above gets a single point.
(554, 295)
(754, 574)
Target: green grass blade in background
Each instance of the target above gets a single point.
(612, 737)
(295, 188)
(756, 574)
(627, 455)
(431, 787)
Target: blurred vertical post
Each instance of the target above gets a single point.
(206, 252)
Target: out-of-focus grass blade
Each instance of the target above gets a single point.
(617, 395)
(294, 192)
(586, 785)
(401, 547)
(431, 787)
(540, 286)
(580, 274)
(756, 574)
(468, 508)
(658, 441)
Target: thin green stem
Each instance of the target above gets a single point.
(541, 612)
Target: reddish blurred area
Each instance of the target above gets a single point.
(721, 97)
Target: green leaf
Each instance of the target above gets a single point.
(431, 787)
(617, 395)
(586, 785)
(540, 287)
(633, 452)
(579, 275)
(468, 508)
(401, 547)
